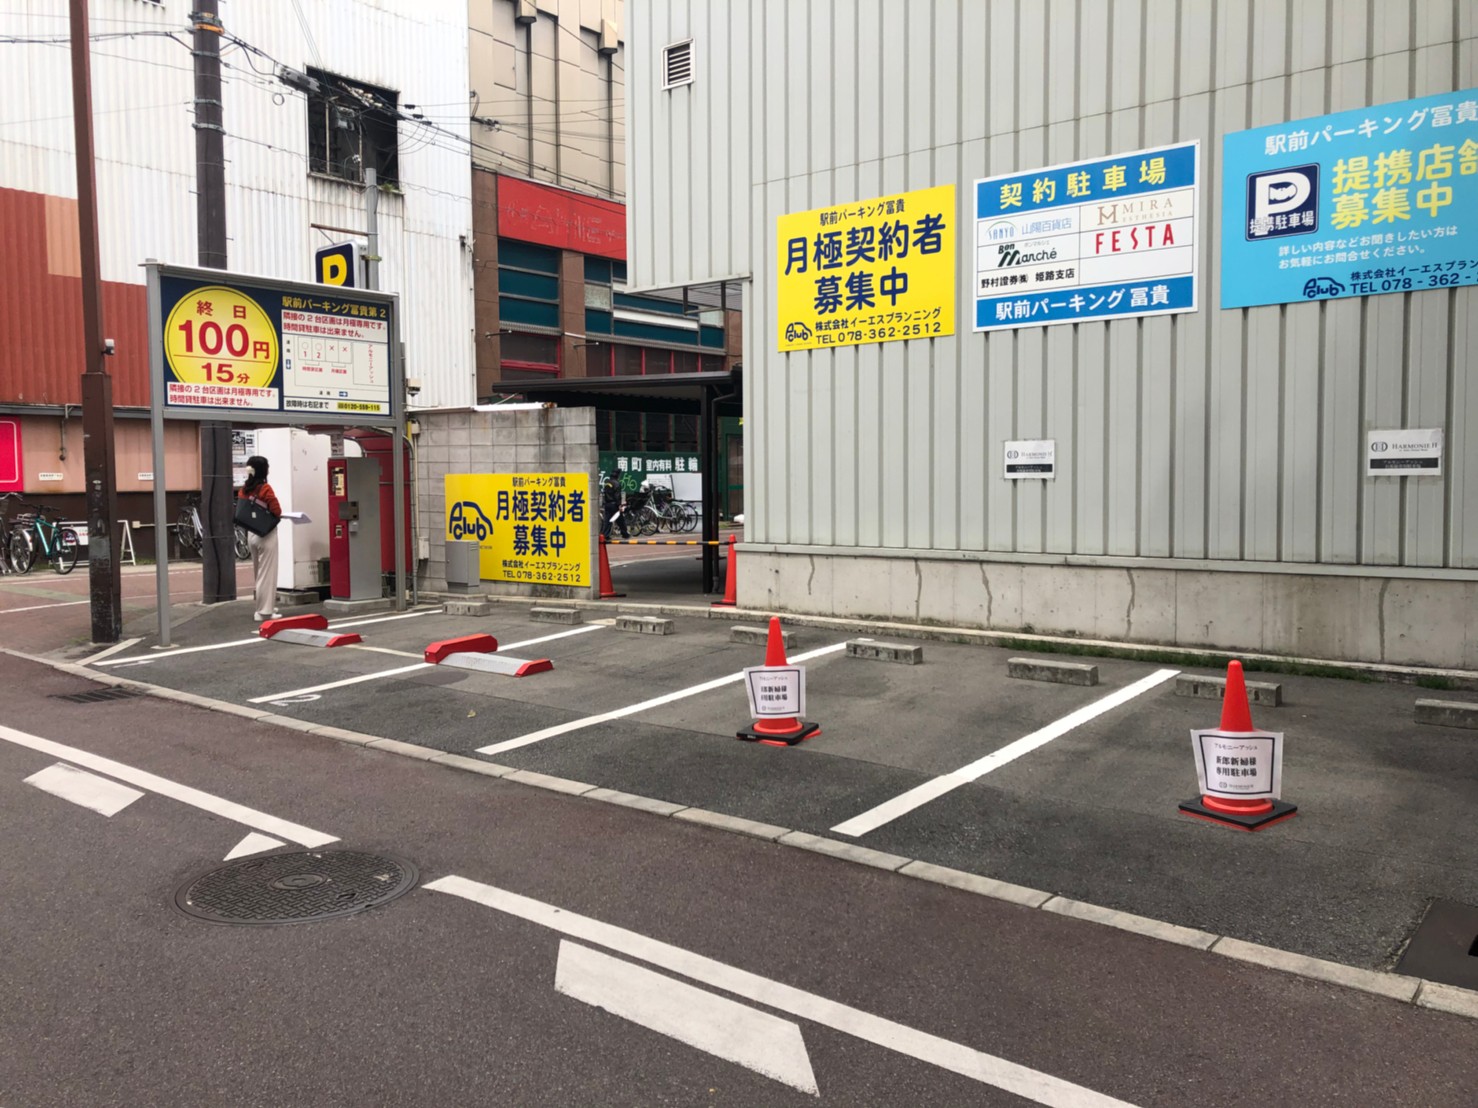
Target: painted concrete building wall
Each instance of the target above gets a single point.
(1210, 482)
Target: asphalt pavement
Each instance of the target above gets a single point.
(559, 950)
(1090, 815)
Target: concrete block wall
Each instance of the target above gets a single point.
(1424, 621)
(543, 440)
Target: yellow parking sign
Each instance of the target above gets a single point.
(873, 270)
(532, 528)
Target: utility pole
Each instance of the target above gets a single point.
(104, 580)
(217, 550)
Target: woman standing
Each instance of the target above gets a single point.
(263, 547)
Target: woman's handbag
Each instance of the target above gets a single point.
(252, 514)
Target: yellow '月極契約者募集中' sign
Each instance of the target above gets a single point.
(873, 270)
(533, 528)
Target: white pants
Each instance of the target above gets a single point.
(264, 566)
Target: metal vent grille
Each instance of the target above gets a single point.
(677, 64)
(96, 696)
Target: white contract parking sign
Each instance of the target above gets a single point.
(776, 692)
(1239, 764)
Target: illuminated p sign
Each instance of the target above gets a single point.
(337, 265)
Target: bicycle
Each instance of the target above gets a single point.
(35, 537)
(191, 531)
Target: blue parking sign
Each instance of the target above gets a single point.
(1374, 200)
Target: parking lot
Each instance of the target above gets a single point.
(1385, 805)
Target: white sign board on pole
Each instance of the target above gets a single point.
(1405, 453)
(776, 692)
(1239, 764)
(1027, 458)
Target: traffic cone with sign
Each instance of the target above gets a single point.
(1231, 754)
(785, 730)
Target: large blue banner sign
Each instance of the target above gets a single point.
(1374, 200)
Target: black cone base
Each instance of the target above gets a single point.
(1254, 822)
(808, 729)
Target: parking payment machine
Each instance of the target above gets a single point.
(355, 541)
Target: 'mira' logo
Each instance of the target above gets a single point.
(468, 521)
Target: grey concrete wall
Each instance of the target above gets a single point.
(546, 440)
(1355, 617)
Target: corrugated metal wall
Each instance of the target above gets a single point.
(1217, 435)
(145, 145)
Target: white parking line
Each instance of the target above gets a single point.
(146, 659)
(363, 677)
(195, 798)
(920, 795)
(1030, 1084)
(107, 652)
(656, 702)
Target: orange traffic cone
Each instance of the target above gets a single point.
(731, 583)
(786, 731)
(1245, 813)
(607, 590)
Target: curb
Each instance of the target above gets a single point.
(1407, 990)
(1024, 640)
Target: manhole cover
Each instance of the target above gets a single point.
(96, 696)
(296, 888)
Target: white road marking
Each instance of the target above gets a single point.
(1033, 1085)
(108, 652)
(920, 795)
(734, 1032)
(146, 659)
(337, 624)
(195, 798)
(39, 607)
(398, 671)
(253, 844)
(655, 702)
(86, 789)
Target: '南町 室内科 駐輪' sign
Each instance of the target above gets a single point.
(1092, 240)
(226, 346)
(873, 270)
(1373, 200)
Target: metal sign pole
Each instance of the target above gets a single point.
(156, 432)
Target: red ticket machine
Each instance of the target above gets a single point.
(361, 508)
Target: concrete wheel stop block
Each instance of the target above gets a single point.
(1061, 673)
(555, 615)
(908, 654)
(1268, 693)
(1447, 713)
(644, 625)
(479, 653)
(756, 636)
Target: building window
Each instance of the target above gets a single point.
(529, 357)
(677, 64)
(351, 126)
(528, 284)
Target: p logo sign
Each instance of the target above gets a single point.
(1282, 202)
(336, 265)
